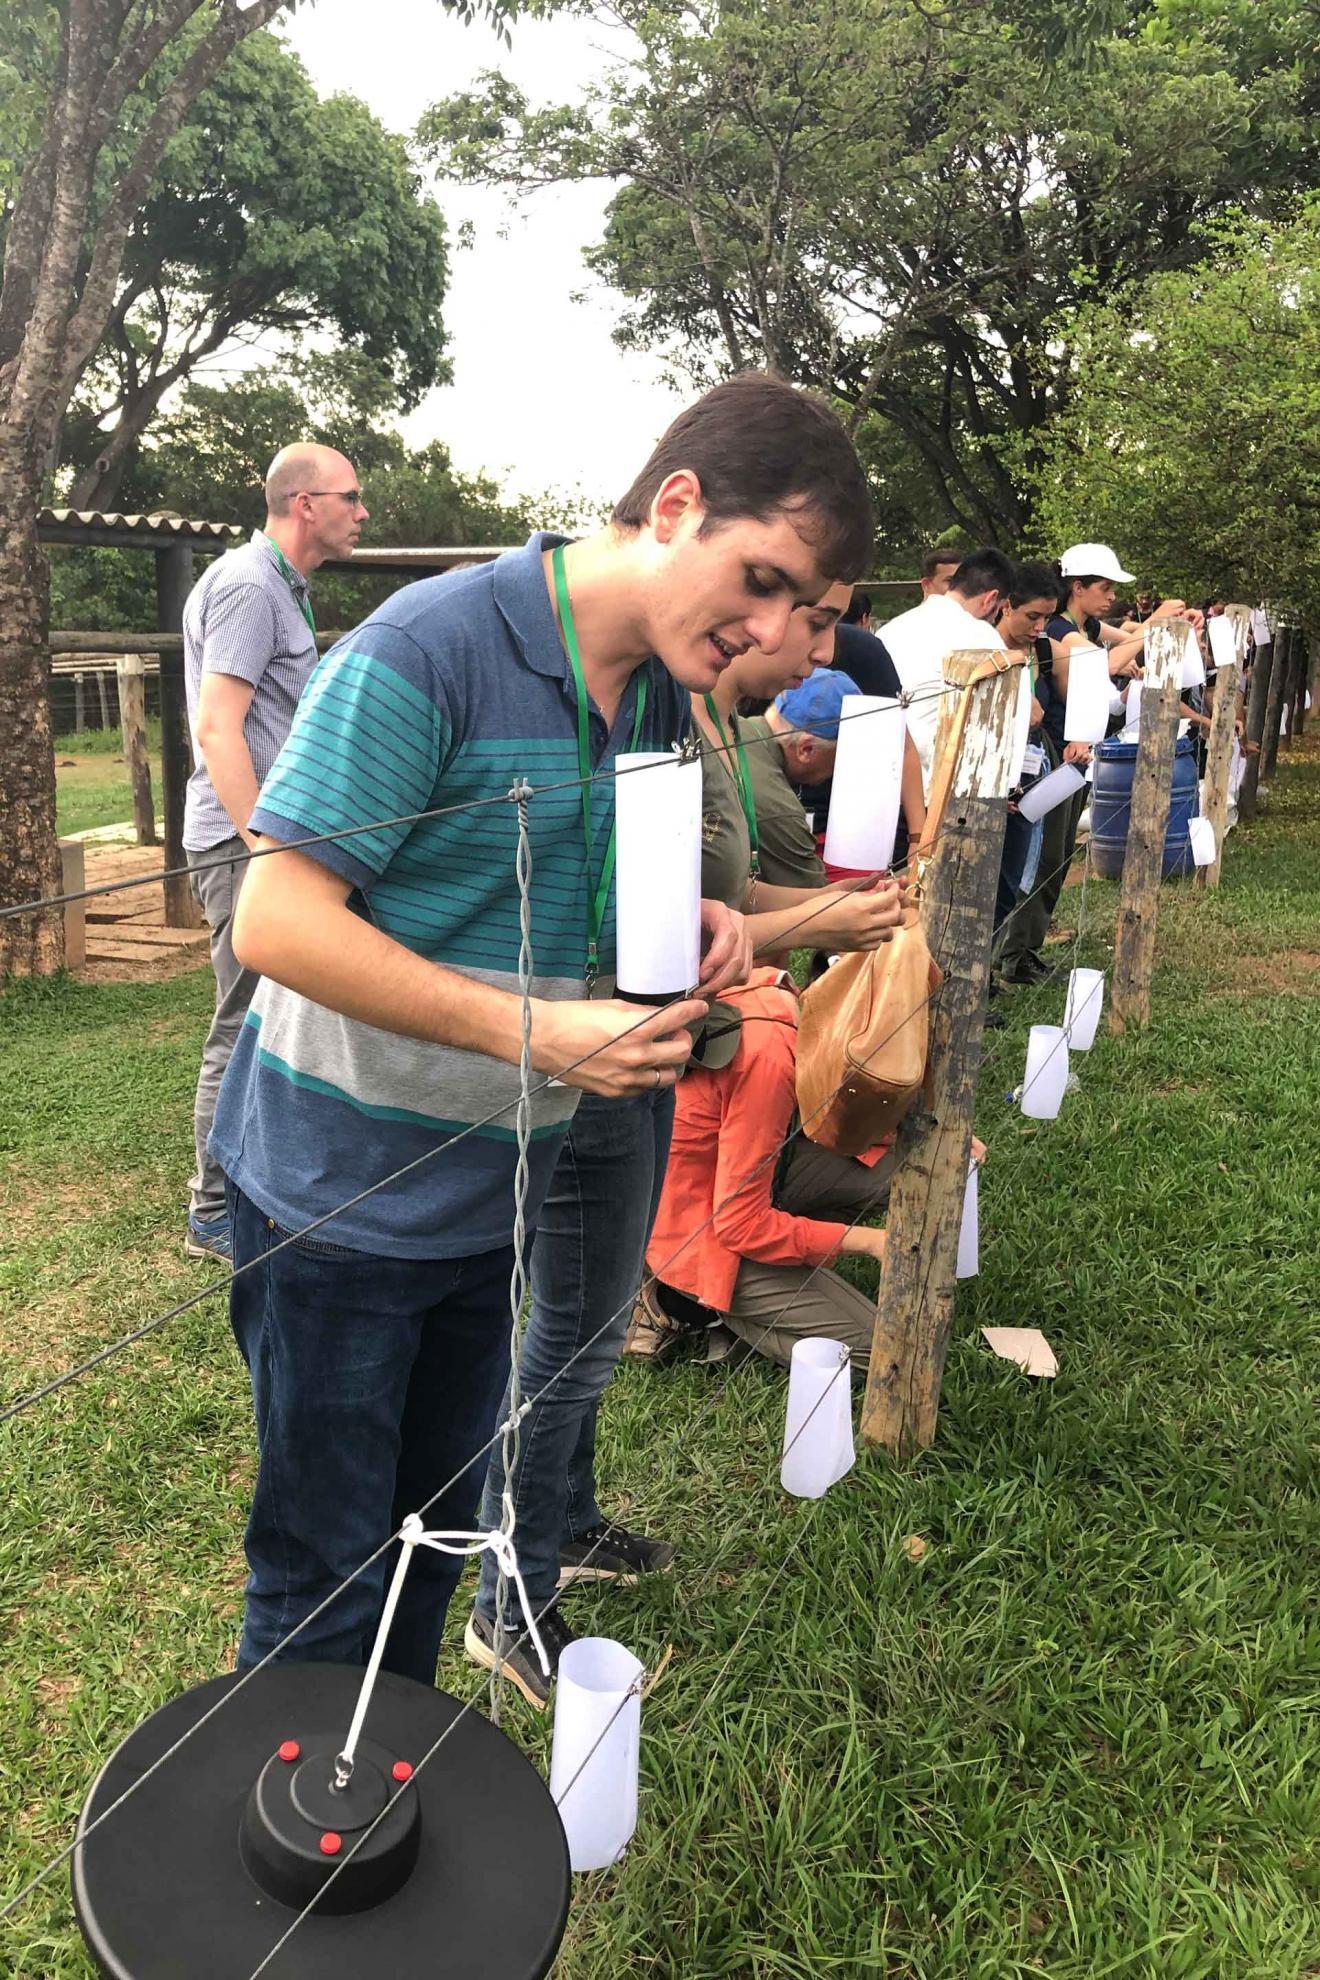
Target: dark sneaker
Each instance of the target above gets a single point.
(1024, 972)
(209, 1239)
(611, 1553)
(520, 1663)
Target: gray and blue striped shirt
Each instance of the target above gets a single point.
(244, 617)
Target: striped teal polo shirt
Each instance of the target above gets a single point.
(452, 691)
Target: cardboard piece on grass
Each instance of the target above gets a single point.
(1026, 1346)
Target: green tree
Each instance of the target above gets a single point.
(1192, 440)
(273, 212)
(91, 94)
(207, 457)
(901, 203)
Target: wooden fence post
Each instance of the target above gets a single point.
(174, 577)
(1219, 749)
(73, 868)
(1262, 667)
(79, 706)
(133, 725)
(103, 698)
(1143, 860)
(914, 1314)
(1284, 640)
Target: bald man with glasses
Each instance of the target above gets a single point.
(249, 645)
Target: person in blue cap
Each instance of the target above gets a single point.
(799, 740)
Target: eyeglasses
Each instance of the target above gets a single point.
(353, 495)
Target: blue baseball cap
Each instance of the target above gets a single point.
(815, 706)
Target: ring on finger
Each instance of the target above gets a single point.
(659, 1078)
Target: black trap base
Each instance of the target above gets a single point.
(207, 1865)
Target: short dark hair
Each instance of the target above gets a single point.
(859, 608)
(932, 559)
(760, 447)
(981, 570)
(1032, 580)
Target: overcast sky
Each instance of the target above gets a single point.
(542, 398)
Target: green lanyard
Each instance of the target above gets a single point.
(300, 598)
(595, 900)
(743, 779)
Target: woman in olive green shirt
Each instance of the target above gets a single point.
(733, 863)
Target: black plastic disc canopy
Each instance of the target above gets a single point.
(465, 1875)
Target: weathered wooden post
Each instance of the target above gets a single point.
(103, 698)
(1143, 861)
(915, 1309)
(1219, 748)
(131, 673)
(1284, 639)
(73, 873)
(79, 705)
(1262, 668)
(174, 579)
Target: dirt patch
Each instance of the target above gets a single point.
(155, 967)
(1295, 971)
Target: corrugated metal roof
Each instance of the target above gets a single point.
(157, 525)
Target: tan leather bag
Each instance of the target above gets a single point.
(863, 1040)
(863, 1035)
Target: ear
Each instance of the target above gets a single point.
(677, 501)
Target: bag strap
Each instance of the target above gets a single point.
(972, 669)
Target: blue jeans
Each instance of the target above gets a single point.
(374, 1380)
(587, 1263)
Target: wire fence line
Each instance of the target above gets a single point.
(521, 793)
(688, 1431)
(608, 774)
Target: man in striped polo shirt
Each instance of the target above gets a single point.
(249, 647)
(389, 1023)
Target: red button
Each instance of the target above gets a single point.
(331, 1844)
(290, 1750)
(402, 1770)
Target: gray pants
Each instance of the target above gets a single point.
(1027, 925)
(776, 1305)
(216, 892)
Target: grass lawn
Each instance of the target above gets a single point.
(92, 782)
(1073, 1733)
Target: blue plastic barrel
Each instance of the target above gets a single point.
(1111, 807)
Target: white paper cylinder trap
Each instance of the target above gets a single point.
(1201, 833)
(1046, 1077)
(597, 1746)
(1223, 646)
(866, 794)
(969, 1231)
(657, 805)
(1191, 671)
(1086, 711)
(818, 1428)
(1085, 1002)
(1051, 791)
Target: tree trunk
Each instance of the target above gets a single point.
(1269, 742)
(30, 866)
(1261, 669)
(98, 485)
